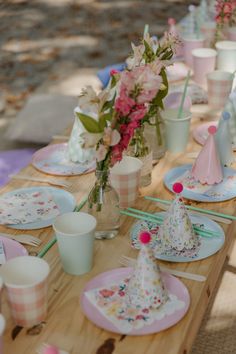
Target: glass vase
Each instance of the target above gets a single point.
(103, 204)
(155, 135)
(140, 148)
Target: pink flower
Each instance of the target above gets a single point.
(101, 152)
(124, 103)
(138, 114)
(111, 136)
(116, 154)
(113, 72)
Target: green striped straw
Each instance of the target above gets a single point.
(205, 211)
(139, 214)
(180, 112)
(146, 29)
(50, 243)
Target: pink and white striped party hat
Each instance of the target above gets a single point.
(207, 168)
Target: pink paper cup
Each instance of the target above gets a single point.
(2, 327)
(231, 33)
(208, 29)
(25, 279)
(204, 61)
(219, 86)
(125, 178)
(191, 43)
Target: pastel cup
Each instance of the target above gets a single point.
(2, 327)
(231, 33)
(204, 61)
(191, 43)
(219, 86)
(208, 29)
(125, 178)
(25, 279)
(75, 233)
(177, 129)
(226, 58)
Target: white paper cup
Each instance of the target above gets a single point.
(226, 59)
(177, 130)
(204, 60)
(25, 279)
(219, 86)
(125, 178)
(75, 237)
(191, 43)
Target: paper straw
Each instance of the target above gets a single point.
(146, 29)
(48, 245)
(205, 211)
(180, 112)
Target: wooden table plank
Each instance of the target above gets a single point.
(67, 327)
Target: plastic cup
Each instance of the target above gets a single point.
(177, 129)
(75, 237)
(204, 60)
(25, 279)
(219, 86)
(191, 43)
(125, 178)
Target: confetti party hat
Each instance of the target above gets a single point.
(223, 140)
(207, 168)
(177, 230)
(145, 288)
(230, 107)
(203, 15)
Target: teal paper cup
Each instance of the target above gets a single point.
(75, 237)
(176, 130)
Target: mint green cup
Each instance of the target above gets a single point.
(176, 130)
(75, 237)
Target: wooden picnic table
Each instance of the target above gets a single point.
(68, 328)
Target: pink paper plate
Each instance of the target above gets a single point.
(13, 248)
(52, 160)
(174, 286)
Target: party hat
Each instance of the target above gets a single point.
(223, 140)
(207, 168)
(203, 15)
(177, 230)
(75, 148)
(146, 288)
(230, 107)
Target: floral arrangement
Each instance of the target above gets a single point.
(131, 99)
(225, 15)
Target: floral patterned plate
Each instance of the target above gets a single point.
(63, 199)
(200, 133)
(207, 246)
(194, 190)
(52, 160)
(116, 276)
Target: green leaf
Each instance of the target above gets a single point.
(89, 123)
(103, 120)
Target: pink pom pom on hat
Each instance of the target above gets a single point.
(51, 350)
(144, 237)
(177, 187)
(207, 168)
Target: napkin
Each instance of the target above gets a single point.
(110, 302)
(27, 207)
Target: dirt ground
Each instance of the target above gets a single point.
(44, 41)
